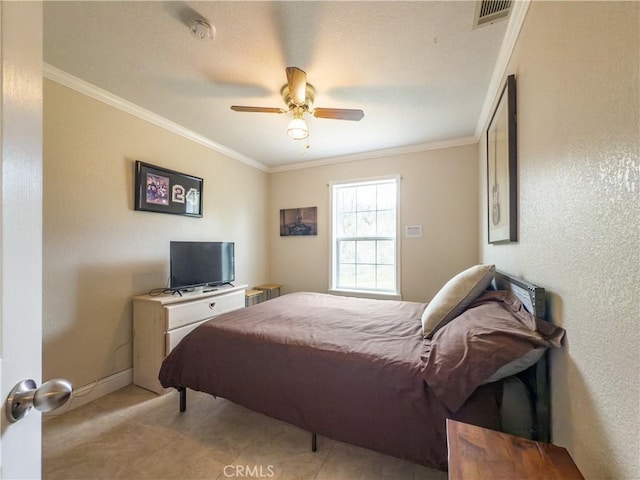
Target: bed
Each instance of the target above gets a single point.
(378, 373)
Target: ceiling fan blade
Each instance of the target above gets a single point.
(338, 113)
(297, 80)
(238, 108)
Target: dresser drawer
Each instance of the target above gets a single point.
(160, 322)
(182, 314)
(173, 337)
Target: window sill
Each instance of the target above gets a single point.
(366, 294)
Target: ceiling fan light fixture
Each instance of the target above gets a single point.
(299, 96)
(298, 128)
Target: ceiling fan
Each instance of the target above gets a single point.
(299, 95)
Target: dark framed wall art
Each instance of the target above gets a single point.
(299, 221)
(502, 179)
(162, 190)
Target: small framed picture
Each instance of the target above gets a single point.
(299, 221)
(162, 190)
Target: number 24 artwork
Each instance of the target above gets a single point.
(161, 190)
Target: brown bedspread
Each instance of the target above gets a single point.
(345, 368)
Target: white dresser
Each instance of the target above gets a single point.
(160, 322)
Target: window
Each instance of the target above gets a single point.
(365, 247)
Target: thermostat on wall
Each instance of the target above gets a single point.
(413, 231)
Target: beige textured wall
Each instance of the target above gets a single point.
(98, 251)
(577, 70)
(439, 190)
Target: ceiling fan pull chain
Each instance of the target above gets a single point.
(307, 147)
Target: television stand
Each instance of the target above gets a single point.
(213, 288)
(161, 321)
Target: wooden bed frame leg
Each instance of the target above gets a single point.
(314, 442)
(183, 398)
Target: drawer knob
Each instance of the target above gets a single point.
(212, 305)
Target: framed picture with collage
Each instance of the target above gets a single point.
(162, 190)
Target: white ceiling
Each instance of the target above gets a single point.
(418, 69)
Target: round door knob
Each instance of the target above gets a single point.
(51, 395)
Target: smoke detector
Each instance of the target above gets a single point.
(201, 29)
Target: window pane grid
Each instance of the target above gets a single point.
(367, 210)
(366, 264)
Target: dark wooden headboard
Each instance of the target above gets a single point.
(536, 377)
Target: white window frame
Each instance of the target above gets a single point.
(333, 257)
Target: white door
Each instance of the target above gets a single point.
(20, 229)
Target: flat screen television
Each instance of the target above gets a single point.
(198, 264)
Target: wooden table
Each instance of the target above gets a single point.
(476, 453)
(252, 297)
(270, 290)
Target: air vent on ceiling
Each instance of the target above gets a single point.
(490, 11)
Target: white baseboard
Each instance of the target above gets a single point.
(95, 390)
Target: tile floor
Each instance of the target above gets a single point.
(134, 434)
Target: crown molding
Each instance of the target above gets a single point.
(513, 29)
(389, 152)
(516, 21)
(59, 76)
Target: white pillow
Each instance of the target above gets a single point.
(455, 297)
